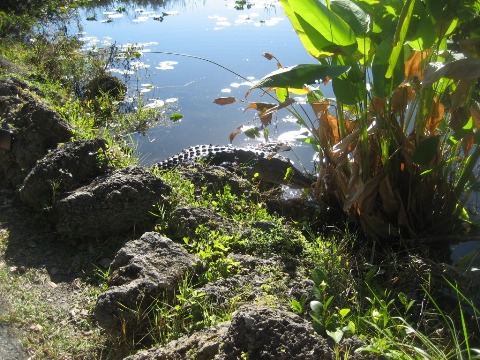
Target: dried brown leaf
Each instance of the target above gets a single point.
(434, 117)
(268, 56)
(400, 98)
(368, 196)
(266, 118)
(319, 107)
(234, 134)
(377, 107)
(284, 104)
(260, 106)
(415, 65)
(224, 100)
(329, 123)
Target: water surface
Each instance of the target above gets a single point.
(211, 29)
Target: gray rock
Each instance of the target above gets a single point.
(105, 84)
(202, 345)
(258, 332)
(36, 127)
(265, 333)
(214, 178)
(184, 221)
(111, 204)
(141, 271)
(64, 169)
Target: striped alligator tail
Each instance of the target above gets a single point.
(272, 168)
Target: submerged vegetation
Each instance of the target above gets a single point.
(397, 153)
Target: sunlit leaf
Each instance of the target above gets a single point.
(426, 150)
(322, 32)
(399, 38)
(224, 100)
(352, 14)
(281, 93)
(297, 76)
(382, 86)
(344, 312)
(336, 335)
(316, 306)
(400, 98)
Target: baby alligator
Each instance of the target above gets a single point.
(268, 167)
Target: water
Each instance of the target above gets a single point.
(212, 29)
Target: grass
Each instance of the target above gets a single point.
(55, 322)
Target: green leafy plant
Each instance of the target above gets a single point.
(212, 248)
(328, 320)
(189, 310)
(402, 131)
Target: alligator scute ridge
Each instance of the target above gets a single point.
(269, 166)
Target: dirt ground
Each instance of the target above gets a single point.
(47, 289)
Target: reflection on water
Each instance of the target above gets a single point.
(211, 29)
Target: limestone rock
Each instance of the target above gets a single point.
(266, 333)
(111, 204)
(141, 271)
(184, 220)
(36, 127)
(64, 169)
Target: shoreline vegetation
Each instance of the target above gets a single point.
(399, 300)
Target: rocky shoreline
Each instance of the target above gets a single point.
(71, 184)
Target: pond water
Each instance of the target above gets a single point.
(216, 30)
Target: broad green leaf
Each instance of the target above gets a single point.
(299, 75)
(344, 312)
(318, 276)
(421, 32)
(312, 45)
(336, 335)
(383, 87)
(349, 88)
(321, 27)
(426, 150)
(353, 15)
(282, 94)
(367, 48)
(399, 38)
(316, 306)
